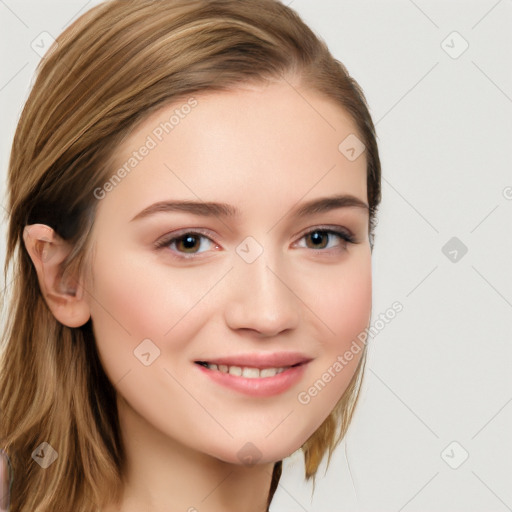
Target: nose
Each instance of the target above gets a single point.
(261, 299)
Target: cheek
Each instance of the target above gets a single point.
(344, 308)
(348, 303)
(137, 298)
(138, 292)
(343, 300)
(130, 303)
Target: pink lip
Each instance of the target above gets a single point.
(262, 387)
(260, 361)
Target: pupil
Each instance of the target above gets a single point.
(189, 241)
(318, 238)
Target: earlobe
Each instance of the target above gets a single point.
(47, 251)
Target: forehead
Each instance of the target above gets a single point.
(255, 144)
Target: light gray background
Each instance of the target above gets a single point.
(439, 373)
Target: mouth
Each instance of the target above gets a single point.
(256, 374)
(248, 372)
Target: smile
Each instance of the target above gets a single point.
(249, 380)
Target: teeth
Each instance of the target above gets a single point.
(247, 372)
(270, 372)
(251, 373)
(234, 370)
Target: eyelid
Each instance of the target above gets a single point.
(185, 231)
(332, 228)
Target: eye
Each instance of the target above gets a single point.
(187, 243)
(327, 238)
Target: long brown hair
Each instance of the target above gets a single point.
(110, 69)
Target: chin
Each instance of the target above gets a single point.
(263, 451)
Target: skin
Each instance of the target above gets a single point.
(263, 149)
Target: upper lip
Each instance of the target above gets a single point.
(259, 360)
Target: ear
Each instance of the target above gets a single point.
(47, 251)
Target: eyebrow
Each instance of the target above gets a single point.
(212, 209)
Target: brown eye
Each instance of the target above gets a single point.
(327, 239)
(319, 239)
(188, 243)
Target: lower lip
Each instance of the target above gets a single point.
(267, 386)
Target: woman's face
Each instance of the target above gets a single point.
(239, 268)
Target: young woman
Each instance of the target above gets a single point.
(192, 193)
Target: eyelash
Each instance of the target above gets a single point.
(345, 237)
